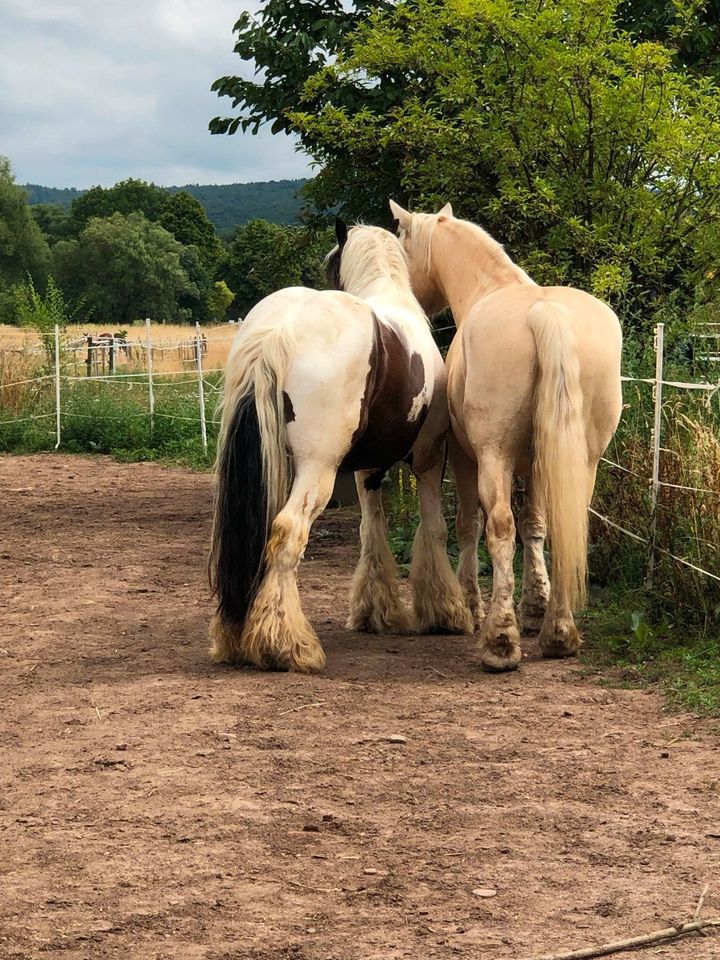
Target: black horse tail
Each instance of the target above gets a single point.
(252, 475)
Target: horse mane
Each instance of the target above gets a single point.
(371, 256)
(422, 229)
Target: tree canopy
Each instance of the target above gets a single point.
(263, 257)
(589, 150)
(23, 248)
(128, 196)
(125, 268)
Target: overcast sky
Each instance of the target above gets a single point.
(93, 92)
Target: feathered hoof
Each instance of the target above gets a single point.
(500, 649)
(224, 640)
(393, 622)
(452, 616)
(529, 624)
(268, 643)
(559, 638)
(305, 658)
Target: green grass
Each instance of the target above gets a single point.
(113, 418)
(635, 651)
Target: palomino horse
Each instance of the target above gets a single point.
(316, 381)
(533, 390)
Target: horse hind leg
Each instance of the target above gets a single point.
(438, 600)
(559, 635)
(468, 526)
(375, 603)
(499, 639)
(277, 634)
(535, 581)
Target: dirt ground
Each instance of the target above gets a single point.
(153, 805)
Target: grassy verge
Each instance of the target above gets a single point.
(112, 417)
(631, 651)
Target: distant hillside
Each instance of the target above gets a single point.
(227, 205)
(62, 195)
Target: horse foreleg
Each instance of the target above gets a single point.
(535, 582)
(499, 638)
(277, 634)
(375, 604)
(438, 599)
(468, 526)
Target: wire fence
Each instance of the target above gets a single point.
(134, 366)
(117, 361)
(655, 482)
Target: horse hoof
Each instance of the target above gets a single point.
(559, 650)
(560, 640)
(500, 652)
(531, 625)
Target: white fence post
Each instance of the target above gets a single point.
(656, 439)
(57, 384)
(201, 385)
(151, 395)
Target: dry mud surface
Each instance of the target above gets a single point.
(153, 805)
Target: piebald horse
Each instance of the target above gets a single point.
(316, 381)
(533, 390)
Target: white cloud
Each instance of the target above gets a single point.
(94, 93)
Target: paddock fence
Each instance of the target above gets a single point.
(635, 477)
(147, 367)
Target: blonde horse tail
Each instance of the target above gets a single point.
(252, 467)
(560, 449)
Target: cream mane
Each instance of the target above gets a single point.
(422, 229)
(371, 257)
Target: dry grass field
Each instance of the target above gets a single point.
(172, 346)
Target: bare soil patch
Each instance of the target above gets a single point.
(156, 806)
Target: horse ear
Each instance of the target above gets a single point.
(446, 212)
(403, 217)
(341, 232)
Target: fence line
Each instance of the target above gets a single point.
(150, 379)
(658, 382)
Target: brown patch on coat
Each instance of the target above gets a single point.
(384, 434)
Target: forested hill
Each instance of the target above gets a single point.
(227, 205)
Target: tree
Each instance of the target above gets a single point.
(288, 42)
(184, 217)
(128, 196)
(691, 28)
(193, 302)
(219, 300)
(263, 257)
(53, 220)
(592, 155)
(125, 268)
(43, 313)
(23, 249)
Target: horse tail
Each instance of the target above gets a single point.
(252, 468)
(560, 469)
